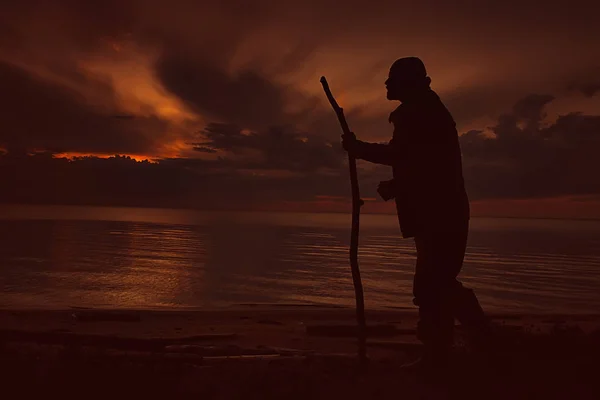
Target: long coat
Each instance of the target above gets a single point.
(425, 157)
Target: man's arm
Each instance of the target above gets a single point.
(377, 153)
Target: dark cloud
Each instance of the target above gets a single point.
(59, 29)
(589, 89)
(39, 115)
(530, 109)
(89, 180)
(471, 102)
(175, 183)
(247, 98)
(277, 148)
(49, 102)
(587, 82)
(200, 40)
(526, 159)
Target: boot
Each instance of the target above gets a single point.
(434, 362)
(468, 311)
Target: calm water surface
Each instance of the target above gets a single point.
(56, 257)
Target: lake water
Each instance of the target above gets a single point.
(59, 257)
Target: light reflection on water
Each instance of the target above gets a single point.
(148, 258)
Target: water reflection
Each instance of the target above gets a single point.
(219, 259)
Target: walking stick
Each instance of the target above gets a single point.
(356, 204)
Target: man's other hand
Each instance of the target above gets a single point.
(349, 143)
(387, 190)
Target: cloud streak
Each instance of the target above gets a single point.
(40, 115)
(228, 90)
(526, 159)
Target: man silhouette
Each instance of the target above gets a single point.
(431, 202)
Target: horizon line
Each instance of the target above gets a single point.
(277, 211)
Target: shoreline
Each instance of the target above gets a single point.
(258, 211)
(268, 307)
(62, 207)
(239, 318)
(287, 352)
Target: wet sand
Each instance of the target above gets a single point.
(290, 352)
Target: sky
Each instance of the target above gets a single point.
(223, 101)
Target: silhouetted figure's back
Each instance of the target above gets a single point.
(425, 157)
(431, 201)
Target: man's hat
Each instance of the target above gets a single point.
(409, 68)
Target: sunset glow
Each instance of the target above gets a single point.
(72, 156)
(147, 81)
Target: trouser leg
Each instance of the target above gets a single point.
(432, 289)
(437, 292)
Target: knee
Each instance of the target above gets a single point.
(434, 289)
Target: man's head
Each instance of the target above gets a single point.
(407, 78)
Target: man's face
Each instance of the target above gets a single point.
(398, 87)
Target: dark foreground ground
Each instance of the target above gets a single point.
(282, 353)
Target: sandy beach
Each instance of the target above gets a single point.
(260, 351)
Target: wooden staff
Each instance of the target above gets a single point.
(357, 202)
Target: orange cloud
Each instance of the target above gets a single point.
(72, 156)
(130, 70)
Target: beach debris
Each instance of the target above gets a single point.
(235, 351)
(395, 346)
(285, 351)
(217, 351)
(103, 316)
(242, 357)
(508, 317)
(337, 330)
(269, 322)
(406, 331)
(115, 342)
(567, 330)
(62, 330)
(554, 321)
